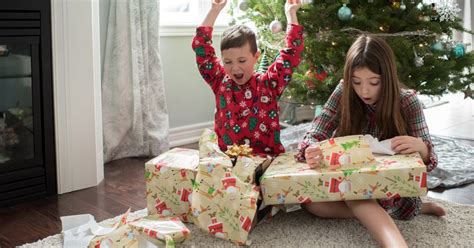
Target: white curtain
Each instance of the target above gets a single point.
(467, 19)
(135, 118)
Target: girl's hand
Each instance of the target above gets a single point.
(314, 156)
(218, 4)
(409, 144)
(291, 6)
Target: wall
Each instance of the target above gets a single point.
(189, 99)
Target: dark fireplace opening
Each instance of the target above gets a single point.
(27, 152)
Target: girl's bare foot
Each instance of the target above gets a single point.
(432, 209)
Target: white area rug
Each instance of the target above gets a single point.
(300, 229)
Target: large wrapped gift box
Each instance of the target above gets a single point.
(169, 182)
(288, 181)
(225, 196)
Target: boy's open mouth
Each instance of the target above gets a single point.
(239, 76)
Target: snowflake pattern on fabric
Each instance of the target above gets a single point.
(248, 113)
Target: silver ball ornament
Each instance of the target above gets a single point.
(243, 5)
(275, 26)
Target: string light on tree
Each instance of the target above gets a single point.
(395, 4)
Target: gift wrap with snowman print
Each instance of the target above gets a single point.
(225, 196)
(169, 183)
(349, 172)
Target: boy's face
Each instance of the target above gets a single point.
(239, 63)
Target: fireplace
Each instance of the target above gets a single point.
(27, 151)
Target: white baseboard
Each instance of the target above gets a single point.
(188, 134)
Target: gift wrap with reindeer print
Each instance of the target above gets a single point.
(287, 181)
(169, 179)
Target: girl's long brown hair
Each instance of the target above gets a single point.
(375, 54)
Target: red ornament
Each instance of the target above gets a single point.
(321, 74)
(315, 74)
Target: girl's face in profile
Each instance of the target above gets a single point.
(367, 85)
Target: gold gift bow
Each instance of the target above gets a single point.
(238, 150)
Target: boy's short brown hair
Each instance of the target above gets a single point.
(238, 36)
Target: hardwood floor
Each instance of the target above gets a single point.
(123, 187)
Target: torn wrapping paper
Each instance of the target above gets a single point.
(83, 231)
(159, 232)
(225, 196)
(288, 181)
(169, 183)
(208, 147)
(380, 147)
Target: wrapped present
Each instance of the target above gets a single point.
(159, 231)
(288, 181)
(225, 195)
(83, 231)
(169, 181)
(346, 151)
(114, 234)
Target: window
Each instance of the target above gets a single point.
(181, 17)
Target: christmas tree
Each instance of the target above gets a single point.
(419, 32)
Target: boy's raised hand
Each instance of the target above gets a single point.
(291, 6)
(218, 4)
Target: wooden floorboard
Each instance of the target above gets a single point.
(123, 187)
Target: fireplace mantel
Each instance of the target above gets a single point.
(77, 94)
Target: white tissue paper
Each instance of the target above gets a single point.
(380, 147)
(79, 230)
